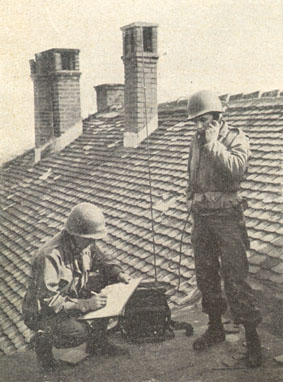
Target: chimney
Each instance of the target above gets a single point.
(140, 62)
(109, 96)
(57, 107)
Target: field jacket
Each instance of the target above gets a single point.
(216, 169)
(59, 274)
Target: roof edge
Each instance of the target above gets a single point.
(276, 93)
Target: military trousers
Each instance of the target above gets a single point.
(219, 241)
(64, 330)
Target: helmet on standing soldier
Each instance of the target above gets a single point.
(202, 102)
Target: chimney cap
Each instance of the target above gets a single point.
(139, 24)
(109, 86)
(59, 50)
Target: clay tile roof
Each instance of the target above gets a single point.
(96, 168)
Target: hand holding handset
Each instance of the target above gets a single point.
(212, 131)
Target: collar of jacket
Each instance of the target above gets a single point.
(70, 252)
(223, 130)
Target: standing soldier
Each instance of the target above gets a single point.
(68, 273)
(218, 162)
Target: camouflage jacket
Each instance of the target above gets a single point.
(59, 273)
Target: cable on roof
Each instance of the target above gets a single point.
(148, 165)
(181, 247)
(150, 190)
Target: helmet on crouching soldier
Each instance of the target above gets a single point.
(87, 221)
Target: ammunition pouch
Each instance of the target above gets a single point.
(215, 200)
(242, 222)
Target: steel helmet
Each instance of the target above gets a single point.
(86, 220)
(202, 102)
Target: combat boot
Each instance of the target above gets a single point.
(43, 349)
(100, 346)
(254, 355)
(213, 335)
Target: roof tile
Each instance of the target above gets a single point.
(97, 169)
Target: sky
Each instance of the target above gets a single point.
(230, 46)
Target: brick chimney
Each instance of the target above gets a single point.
(56, 79)
(109, 96)
(140, 62)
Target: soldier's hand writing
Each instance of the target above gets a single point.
(95, 302)
(212, 131)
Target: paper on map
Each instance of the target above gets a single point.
(117, 297)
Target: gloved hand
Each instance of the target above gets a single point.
(212, 131)
(93, 303)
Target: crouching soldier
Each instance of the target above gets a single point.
(66, 271)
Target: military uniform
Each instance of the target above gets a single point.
(60, 274)
(219, 236)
